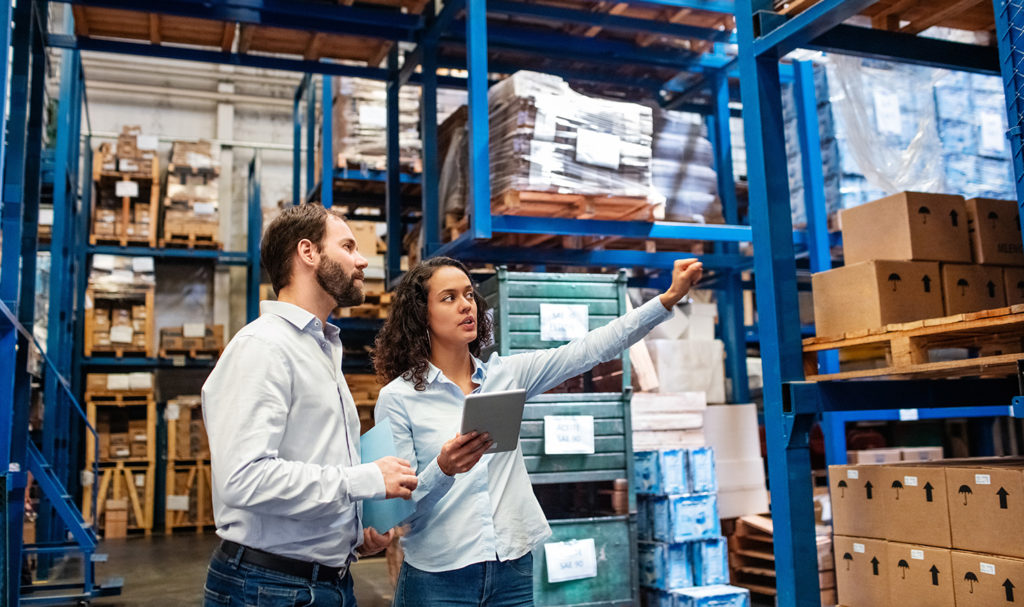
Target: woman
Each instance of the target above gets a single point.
(470, 537)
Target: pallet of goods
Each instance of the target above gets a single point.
(364, 389)
(126, 181)
(190, 209)
(192, 340)
(359, 121)
(118, 319)
(189, 489)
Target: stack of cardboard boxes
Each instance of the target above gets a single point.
(190, 208)
(189, 493)
(135, 152)
(938, 534)
(119, 305)
(193, 339)
(126, 188)
(913, 256)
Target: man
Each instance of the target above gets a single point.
(284, 431)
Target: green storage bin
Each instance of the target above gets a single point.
(616, 584)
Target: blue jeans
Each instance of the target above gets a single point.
(487, 584)
(233, 584)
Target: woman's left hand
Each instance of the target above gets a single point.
(374, 542)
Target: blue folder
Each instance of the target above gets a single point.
(382, 515)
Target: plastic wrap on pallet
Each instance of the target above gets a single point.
(682, 170)
(359, 121)
(119, 274)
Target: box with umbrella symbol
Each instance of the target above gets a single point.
(922, 576)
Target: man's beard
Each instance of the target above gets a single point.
(332, 278)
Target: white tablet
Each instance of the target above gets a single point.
(498, 413)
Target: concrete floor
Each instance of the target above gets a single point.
(169, 571)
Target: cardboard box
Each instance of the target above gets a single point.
(984, 580)
(915, 504)
(862, 571)
(919, 576)
(986, 508)
(139, 450)
(885, 292)
(115, 524)
(972, 288)
(858, 507)
(1013, 283)
(994, 226)
(910, 226)
(873, 456)
(365, 233)
(921, 454)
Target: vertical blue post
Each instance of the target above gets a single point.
(310, 134)
(252, 298)
(815, 202)
(833, 428)
(297, 141)
(393, 210)
(326, 144)
(1009, 18)
(428, 128)
(730, 297)
(789, 465)
(479, 137)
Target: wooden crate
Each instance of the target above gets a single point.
(105, 183)
(376, 305)
(95, 300)
(118, 481)
(364, 389)
(903, 349)
(174, 343)
(191, 234)
(189, 485)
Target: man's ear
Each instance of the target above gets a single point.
(307, 252)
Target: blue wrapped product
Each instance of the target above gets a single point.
(680, 518)
(665, 566)
(712, 596)
(701, 468)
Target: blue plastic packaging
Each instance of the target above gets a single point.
(712, 596)
(660, 472)
(701, 468)
(680, 518)
(666, 566)
(710, 562)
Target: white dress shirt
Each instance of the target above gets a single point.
(489, 512)
(284, 440)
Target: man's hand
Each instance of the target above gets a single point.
(399, 477)
(685, 274)
(463, 452)
(374, 542)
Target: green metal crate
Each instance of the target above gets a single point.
(516, 298)
(616, 583)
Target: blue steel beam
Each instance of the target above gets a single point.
(255, 232)
(519, 224)
(326, 142)
(310, 134)
(300, 92)
(393, 191)
(652, 85)
(430, 197)
(426, 41)
(235, 258)
(714, 6)
(478, 129)
(469, 251)
(816, 20)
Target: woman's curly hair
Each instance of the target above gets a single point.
(402, 347)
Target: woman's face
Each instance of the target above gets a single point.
(451, 307)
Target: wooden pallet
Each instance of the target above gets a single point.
(376, 305)
(110, 486)
(146, 297)
(575, 206)
(119, 351)
(210, 172)
(194, 353)
(184, 478)
(120, 398)
(997, 335)
(189, 240)
(914, 16)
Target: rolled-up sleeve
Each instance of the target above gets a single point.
(245, 407)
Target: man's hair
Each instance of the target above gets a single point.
(282, 236)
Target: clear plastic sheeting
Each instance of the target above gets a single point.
(682, 168)
(359, 121)
(121, 275)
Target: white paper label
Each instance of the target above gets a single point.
(887, 112)
(982, 479)
(140, 480)
(139, 438)
(988, 568)
(572, 560)
(121, 335)
(46, 217)
(117, 381)
(908, 415)
(910, 481)
(373, 116)
(545, 122)
(128, 189)
(177, 502)
(917, 555)
(146, 142)
(858, 548)
(87, 478)
(853, 474)
(140, 380)
(564, 434)
(204, 208)
(193, 329)
(599, 149)
(103, 262)
(563, 322)
(122, 276)
(993, 134)
(172, 412)
(142, 264)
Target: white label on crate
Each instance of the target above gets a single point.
(126, 189)
(853, 474)
(142, 264)
(87, 478)
(982, 479)
(117, 381)
(103, 262)
(139, 438)
(140, 480)
(598, 149)
(993, 133)
(204, 208)
(146, 142)
(565, 434)
(172, 412)
(887, 112)
(908, 415)
(910, 481)
(563, 322)
(372, 116)
(572, 560)
(121, 335)
(141, 380)
(917, 555)
(201, 161)
(858, 548)
(988, 568)
(193, 329)
(46, 217)
(127, 166)
(177, 502)
(178, 360)
(121, 451)
(122, 276)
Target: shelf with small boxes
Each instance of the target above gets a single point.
(122, 409)
(190, 214)
(189, 503)
(118, 307)
(126, 181)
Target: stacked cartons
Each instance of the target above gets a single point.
(189, 482)
(190, 210)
